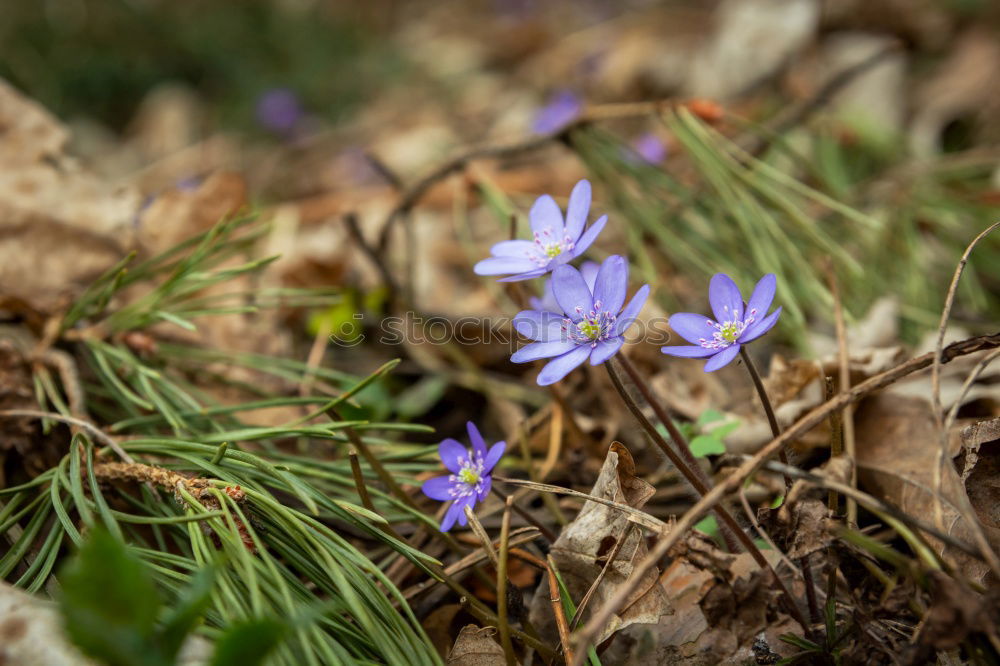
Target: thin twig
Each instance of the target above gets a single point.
(847, 415)
(91, 429)
(555, 598)
(508, 648)
(592, 590)
(484, 538)
(810, 420)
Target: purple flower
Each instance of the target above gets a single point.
(733, 325)
(555, 241)
(589, 324)
(278, 110)
(651, 148)
(562, 109)
(470, 479)
(588, 270)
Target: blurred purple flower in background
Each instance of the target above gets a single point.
(592, 323)
(555, 241)
(470, 480)
(588, 270)
(651, 148)
(563, 108)
(279, 110)
(721, 338)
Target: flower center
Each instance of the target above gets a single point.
(595, 326)
(548, 247)
(727, 333)
(731, 331)
(468, 475)
(469, 478)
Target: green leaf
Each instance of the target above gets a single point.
(248, 644)
(189, 611)
(707, 445)
(109, 603)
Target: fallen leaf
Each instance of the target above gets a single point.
(897, 448)
(580, 550)
(476, 647)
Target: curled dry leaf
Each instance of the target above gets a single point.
(580, 551)
(897, 445)
(476, 647)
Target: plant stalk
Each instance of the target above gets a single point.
(772, 420)
(689, 466)
(725, 517)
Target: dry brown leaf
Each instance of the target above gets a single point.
(897, 445)
(580, 549)
(476, 647)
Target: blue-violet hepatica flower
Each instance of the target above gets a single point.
(734, 325)
(556, 241)
(471, 475)
(591, 322)
(563, 108)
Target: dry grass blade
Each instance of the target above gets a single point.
(635, 515)
(508, 647)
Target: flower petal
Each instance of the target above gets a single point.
(487, 486)
(571, 292)
(451, 515)
(760, 328)
(578, 209)
(605, 349)
(589, 271)
(537, 350)
(438, 488)
(612, 280)
(545, 214)
(504, 265)
(514, 248)
(688, 351)
(453, 454)
(538, 272)
(722, 358)
(631, 311)
(763, 294)
(561, 366)
(478, 443)
(589, 236)
(540, 325)
(494, 455)
(692, 327)
(463, 519)
(725, 299)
